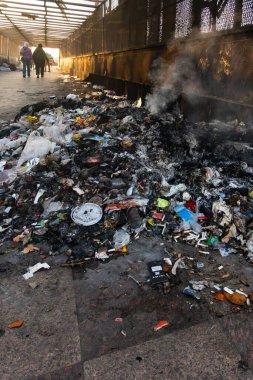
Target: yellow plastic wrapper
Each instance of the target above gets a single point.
(76, 137)
(79, 120)
(90, 119)
(151, 222)
(32, 119)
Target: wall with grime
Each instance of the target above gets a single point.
(124, 42)
(9, 50)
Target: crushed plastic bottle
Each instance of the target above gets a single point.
(188, 217)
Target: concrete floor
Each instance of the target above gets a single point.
(70, 331)
(17, 92)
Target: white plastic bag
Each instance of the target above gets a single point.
(6, 144)
(36, 146)
(55, 133)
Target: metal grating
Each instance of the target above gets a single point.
(132, 24)
(206, 20)
(169, 15)
(160, 37)
(183, 18)
(226, 19)
(247, 12)
(153, 22)
(136, 11)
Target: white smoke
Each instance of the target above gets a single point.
(169, 80)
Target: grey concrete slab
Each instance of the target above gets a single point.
(201, 352)
(16, 91)
(49, 337)
(105, 293)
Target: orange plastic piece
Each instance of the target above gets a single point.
(17, 324)
(19, 238)
(30, 248)
(160, 325)
(220, 296)
(121, 206)
(236, 298)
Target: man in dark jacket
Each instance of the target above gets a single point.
(39, 57)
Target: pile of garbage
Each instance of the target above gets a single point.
(7, 67)
(85, 177)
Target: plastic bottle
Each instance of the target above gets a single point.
(188, 217)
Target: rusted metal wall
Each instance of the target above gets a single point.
(9, 50)
(124, 42)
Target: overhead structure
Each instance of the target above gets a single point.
(43, 21)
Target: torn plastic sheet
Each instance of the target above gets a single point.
(175, 189)
(121, 238)
(2, 165)
(7, 176)
(101, 255)
(50, 206)
(225, 251)
(28, 166)
(34, 269)
(222, 213)
(6, 144)
(36, 146)
(124, 203)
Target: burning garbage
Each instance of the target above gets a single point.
(90, 175)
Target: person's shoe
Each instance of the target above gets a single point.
(23, 76)
(38, 76)
(42, 76)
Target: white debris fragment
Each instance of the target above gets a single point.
(35, 268)
(228, 290)
(38, 195)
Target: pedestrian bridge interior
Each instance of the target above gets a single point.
(43, 21)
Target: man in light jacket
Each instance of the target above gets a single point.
(26, 58)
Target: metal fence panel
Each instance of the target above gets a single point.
(132, 24)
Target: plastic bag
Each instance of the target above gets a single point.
(6, 144)
(36, 146)
(121, 238)
(55, 133)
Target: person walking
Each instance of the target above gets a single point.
(39, 57)
(48, 62)
(26, 59)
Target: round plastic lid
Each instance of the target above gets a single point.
(87, 214)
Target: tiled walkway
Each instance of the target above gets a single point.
(17, 92)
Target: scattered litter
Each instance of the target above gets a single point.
(34, 269)
(119, 320)
(15, 325)
(161, 325)
(188, 291)
(91, 174)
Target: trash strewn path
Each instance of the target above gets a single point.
(17, 92)
(142, 232)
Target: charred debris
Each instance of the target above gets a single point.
(85, 176)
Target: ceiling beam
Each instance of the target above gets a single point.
(51, 22)
(42, 12)
(41, 8)
(17, 28)
(27, 19)
(93, 6)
